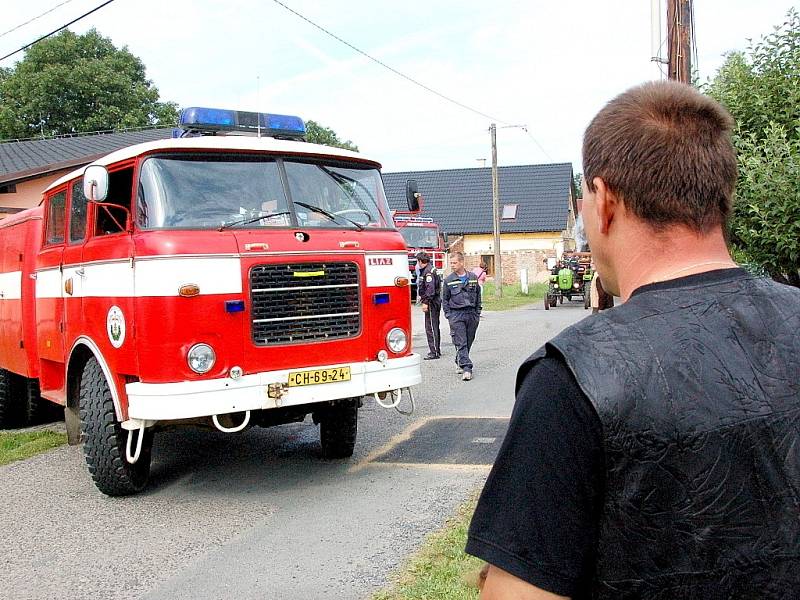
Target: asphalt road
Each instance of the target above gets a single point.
(260, 514)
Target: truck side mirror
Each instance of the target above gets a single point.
(446, 241)
(95, 183)
(412, 195)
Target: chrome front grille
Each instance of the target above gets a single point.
(304, 302)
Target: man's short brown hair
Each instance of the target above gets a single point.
(665, 149)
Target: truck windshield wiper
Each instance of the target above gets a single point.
(251, 220)
(340, 178)
(330, 216)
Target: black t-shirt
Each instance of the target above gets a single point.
(538, 515)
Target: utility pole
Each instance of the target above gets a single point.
(498, 268)
(679, 40)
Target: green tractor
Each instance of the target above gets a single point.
(571, 278)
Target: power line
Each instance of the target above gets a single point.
(47, 12)
(26, 46)
(530, 135)
(393, 70)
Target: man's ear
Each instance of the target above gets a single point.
(606, 205)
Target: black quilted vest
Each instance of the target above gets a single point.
(697, 386)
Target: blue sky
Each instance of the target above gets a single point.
(548, 65)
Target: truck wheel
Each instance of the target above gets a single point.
(11, 408)
(104, 439)
(37, 409)
(337, 431)
(6, 409)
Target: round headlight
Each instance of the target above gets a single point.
(397, 340)
(201, 358)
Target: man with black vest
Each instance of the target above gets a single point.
(428, 284)
(654, 448)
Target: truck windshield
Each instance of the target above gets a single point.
(420, 237)
(222, 191)
(349, 194)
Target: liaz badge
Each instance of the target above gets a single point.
(115, 326)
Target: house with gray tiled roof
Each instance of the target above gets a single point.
(537, 204)
(27, 167)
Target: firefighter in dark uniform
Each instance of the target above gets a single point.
(428, 284)
(461, 300)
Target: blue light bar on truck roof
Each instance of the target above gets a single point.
(200, 120)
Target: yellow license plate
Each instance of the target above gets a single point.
(318, 376)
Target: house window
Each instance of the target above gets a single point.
(8, 188)
(509, 211)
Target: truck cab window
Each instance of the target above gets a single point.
(56, 209)
(109, 219)
(77, 213)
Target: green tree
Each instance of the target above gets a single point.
(761, 89)
(319, 134)
(577, 185)
(77, 83)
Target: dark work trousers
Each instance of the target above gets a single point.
(432, 326)
(463, 325)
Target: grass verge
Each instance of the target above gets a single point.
(18, 446)
(441, 569)
(512, 296)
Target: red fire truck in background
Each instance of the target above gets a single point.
(219, 279)
(422, 234)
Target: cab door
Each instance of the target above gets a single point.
(50, 291)
(73, 271)
(107, 288)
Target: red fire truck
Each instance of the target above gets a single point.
(217, 278)
(422, 234)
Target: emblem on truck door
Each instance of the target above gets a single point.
(115, 326)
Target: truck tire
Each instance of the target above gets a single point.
(104, 439)
(37, 409)
(11, 400)
(6, 408)
(338, 429)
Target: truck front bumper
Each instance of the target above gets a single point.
(259, 391)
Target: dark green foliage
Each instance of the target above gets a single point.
(319, 134)
(761, 89)
(78, 83)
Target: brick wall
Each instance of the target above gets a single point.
(532, 260)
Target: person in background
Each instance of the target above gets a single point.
(461, 300)
(428, 290)
(654, 449)
(600, 299)
(480, 273)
